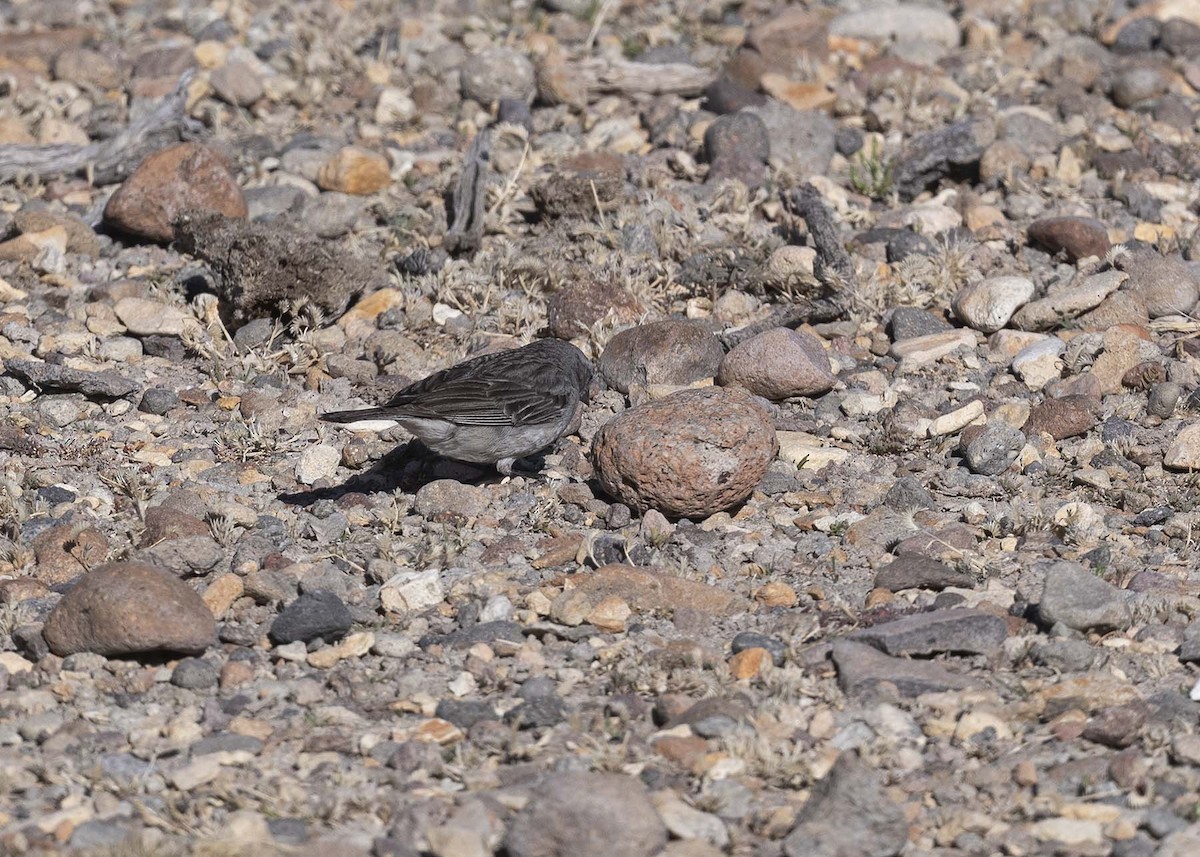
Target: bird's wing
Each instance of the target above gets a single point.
(483, 402)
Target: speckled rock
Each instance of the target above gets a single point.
(691, 453)
(127, 608)
(661, 352)
(587, 815)
(1060, 418)
(1166, 286)
(778, 364)
(988, 305)
(179, 178)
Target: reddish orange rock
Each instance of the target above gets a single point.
(184, 177)
(748, 662)
(355, 170)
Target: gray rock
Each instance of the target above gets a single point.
(914, 571)
(1064, 654)
(910, 322)
(866, 672)
(661, 352)
(587, 815)
(158, 400)
(992, 450)
(495, 74)
(1075, 597)
(330, 215)
(737, 146)
(801, 140)
(935, 155)
(236, 83)
(848, 813)
(1166, 285)
(194, 674)
(314, 615)
(957, 630)
(1163, 399)
(52, 376)
(449, 499)
(267, 203)
(899, 22)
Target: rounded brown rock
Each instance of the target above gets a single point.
(690, 454)
(661, 352)
(1077, 237)
(187, 176)
(778, 364)
(126, 608)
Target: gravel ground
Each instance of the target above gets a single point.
(875, 538)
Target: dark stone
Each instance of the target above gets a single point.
(947, 153)
(737, 146)
(52, 376)
(158, 400)
(754, 640)
(910, 322)
(907, 494)
(314, 615)
(961, 630)
(725, 95)
(194, 674)
(464, 713)
(1138, 36)
(539, 712)
(904, 243)
(847, 140)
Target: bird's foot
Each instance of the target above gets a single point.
(506, 468)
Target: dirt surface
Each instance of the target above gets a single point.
(956, 614)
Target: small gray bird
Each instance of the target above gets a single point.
(491, 409)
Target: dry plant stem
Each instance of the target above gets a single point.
(804, 312)
(466, 232)
(512, 181)
(106, 161)
(651, 78)
(833, 265)
(601, 14)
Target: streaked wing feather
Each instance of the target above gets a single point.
(482, 402)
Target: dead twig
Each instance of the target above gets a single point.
(466, 231)
(105, 161)
(651, 78)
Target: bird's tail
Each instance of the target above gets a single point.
(355, 416)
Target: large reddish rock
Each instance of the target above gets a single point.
(690, 454)
(778, 364)
(126, 608)
(661, 352)
(184, 177)
(1077, 237)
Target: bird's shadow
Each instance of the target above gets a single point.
(406, 468)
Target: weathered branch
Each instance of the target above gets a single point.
(833, 265)
(109, 160)
(815, 311)
(649, 78)
(466, 232)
